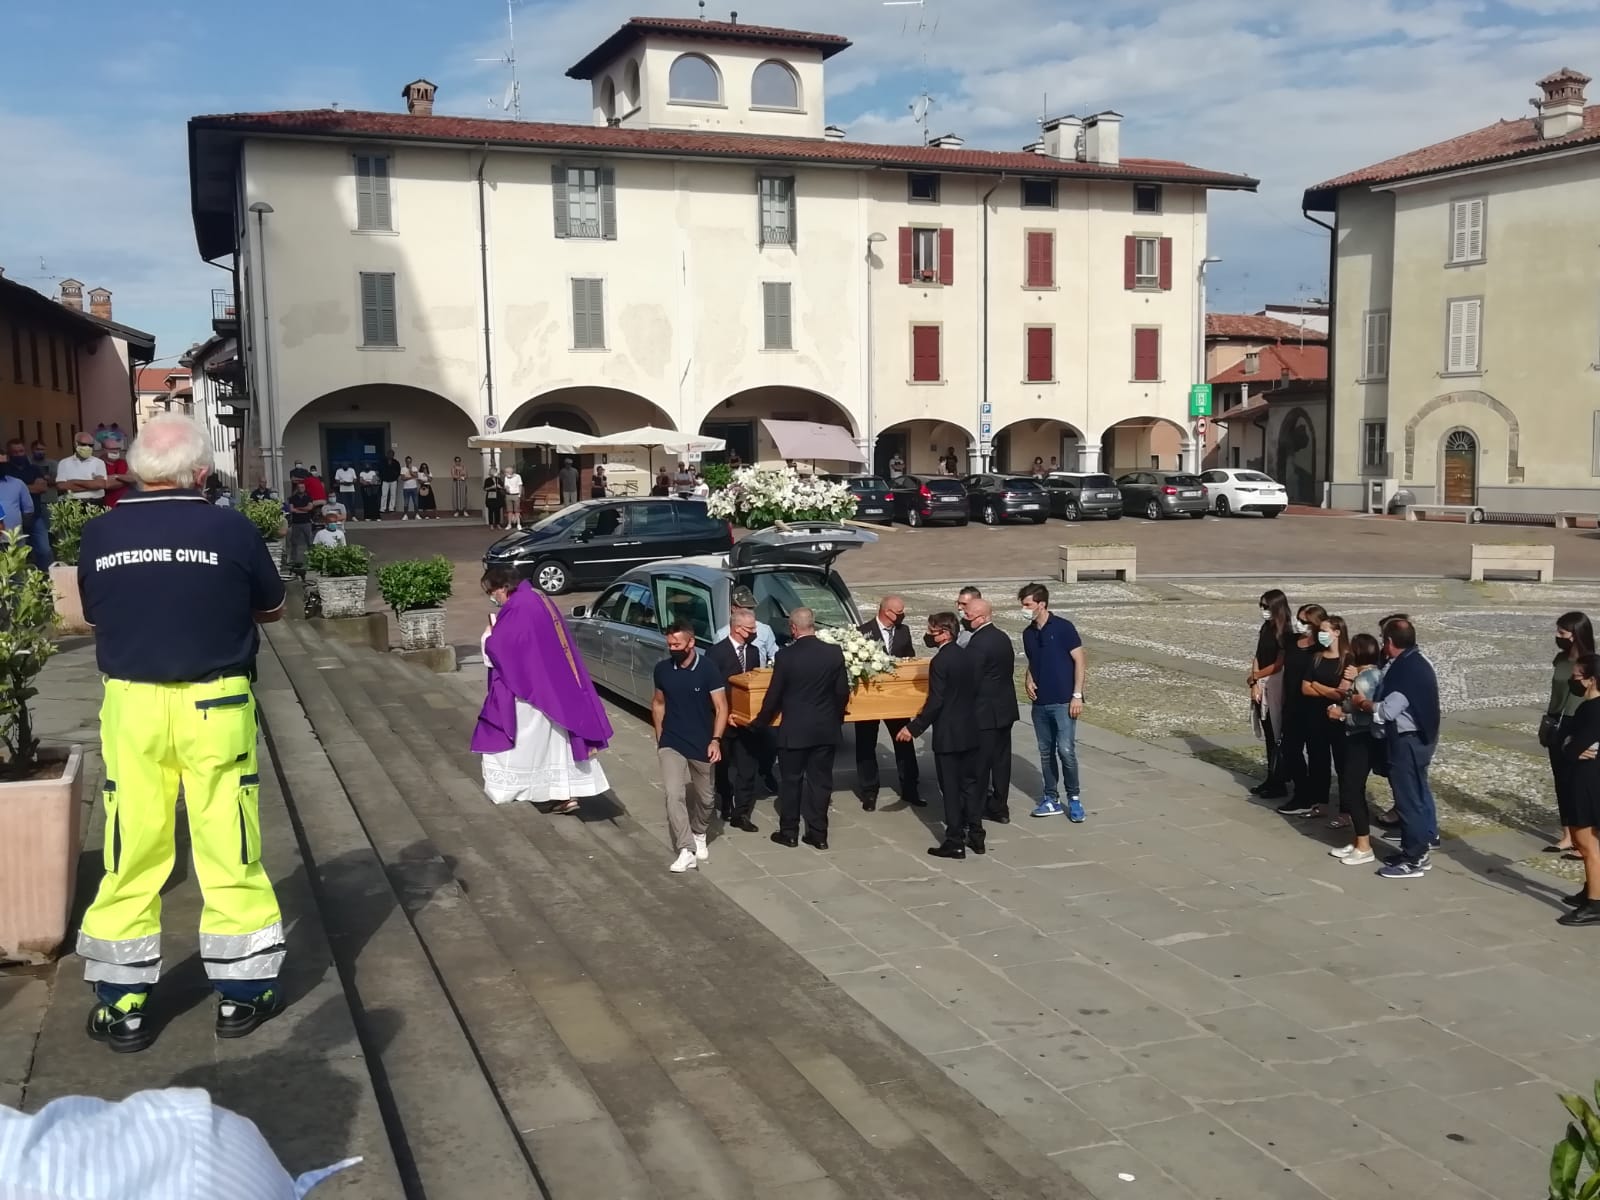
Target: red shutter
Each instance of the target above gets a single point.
(1041, 354)
(925, 353)
(1147, 354)
(1130, 262)
(1041, 259)
(947, 256)
(907, 255)
(1166, 264)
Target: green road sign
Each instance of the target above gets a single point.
(1200, 400)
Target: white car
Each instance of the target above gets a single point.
(1235, 491)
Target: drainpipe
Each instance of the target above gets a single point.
(483, 279)
(980, 455)
(1327, 448)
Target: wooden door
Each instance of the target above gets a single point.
(1461, 468)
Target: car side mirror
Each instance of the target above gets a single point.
(580, 610)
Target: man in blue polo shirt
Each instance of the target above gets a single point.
(174, 587)
(690, 713)
(1057, 668)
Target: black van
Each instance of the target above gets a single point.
(590, 543)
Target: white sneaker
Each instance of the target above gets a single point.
(1342, 851)
(1358, 858)
(684, 862)
(701, 850)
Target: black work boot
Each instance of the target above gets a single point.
(122, 1025)
(237, 1018)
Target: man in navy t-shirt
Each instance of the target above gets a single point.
(690, 713)
(1056, 671)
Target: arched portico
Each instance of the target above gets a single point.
(1057, 444)
(359, 425)
(596, 412)
(922, 445)
(1143, 444)
(737, 420)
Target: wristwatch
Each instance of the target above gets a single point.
(1077, 695)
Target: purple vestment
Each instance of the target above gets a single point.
(533, 658)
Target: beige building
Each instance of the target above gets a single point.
(709, 253)
(1466, 338)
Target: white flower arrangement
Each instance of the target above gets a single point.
(758, 497)
(864, 657)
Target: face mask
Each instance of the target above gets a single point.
(929, 641)
(1563, 643)
(966, 624)
(83, 451)
(113, 455)
(1324, 638)
(897, 620)
(1577, 687)
(38, 456)
(19, 460)
(679, 656)
(1266, 613)
(333, 526)
(1030, 614)
(1301, 627)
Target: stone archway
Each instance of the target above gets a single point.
(1058, 444)
(921, 446)
(1297, 458)
(1514, 470)
(1144, 444)
(357, 426)
(591, 410)
(737, 419)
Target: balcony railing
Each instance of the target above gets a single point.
(222, 306)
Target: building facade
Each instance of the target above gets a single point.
(707, 254)
(1466, 365)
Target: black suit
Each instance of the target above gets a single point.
(905, 754)
(810, 688)
(951, 711)
(995, 661)
(742, 746)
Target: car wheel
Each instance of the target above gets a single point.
(914, 519)
(1114, 516)
(1038, 520)
(991, 515)
(1222, 506)
(1269, 513)
(1198, 516)
(961, 522)
(551, 578)
(1153, 510)
(1072, 512)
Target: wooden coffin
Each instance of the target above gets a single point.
(886, 697)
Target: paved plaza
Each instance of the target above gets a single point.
(1183, 997)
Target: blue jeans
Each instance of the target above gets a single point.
(1409, 757)
(409, 497)
(39, 535)
(1057, 733)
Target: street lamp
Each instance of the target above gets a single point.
(1200, 349)
(873, 239)
(274, 452)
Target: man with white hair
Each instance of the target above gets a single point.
(175, 587)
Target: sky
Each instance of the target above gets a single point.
(94, 97)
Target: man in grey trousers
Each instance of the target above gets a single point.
(690, 713)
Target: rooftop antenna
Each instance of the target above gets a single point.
(511, 100)
(923, 104)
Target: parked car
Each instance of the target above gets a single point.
(1159, 494)
(929, 500)
(590, 543)
(874, 502)
(1229, 490)
(622, 633)
(1074, 494)
(996, 499)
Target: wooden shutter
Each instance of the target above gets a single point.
(1130, 262)
(1377, 355)
(947, 256)
(558, 187)
(1475, 216)
(1041, 345)
(1166, 264)
(388, 326)
(1466, 229)
(369, 309)
(925, 353)
(364, 219)
(1041, 259)
(777, 320)
(608, 203)
(382, 207)
(588, 314)
(1147, 354)
(907, 253)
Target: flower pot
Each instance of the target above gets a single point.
(69, 604)
(40, 839)
(343, 595)
(421, 628)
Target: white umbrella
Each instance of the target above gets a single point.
(565, 441)
(652, 436)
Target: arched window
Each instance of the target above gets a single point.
(630, 84)
(694, 79)
(608, 98)
(774, 85)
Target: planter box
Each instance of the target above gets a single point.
(421, 628)
(41, 836)
(899, 695)
(1502, 558)
(343, 595)
(69, 604)
(1120, 561)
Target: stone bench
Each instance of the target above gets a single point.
(1120, 561)
(1502, 558)
(1569, 520)
(1470, 513)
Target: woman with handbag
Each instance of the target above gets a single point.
(1574, 640)
(1580, 751)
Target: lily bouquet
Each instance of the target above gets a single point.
(864, 657)
(758, 497)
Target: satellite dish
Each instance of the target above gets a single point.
(506, 100)
(920, 107)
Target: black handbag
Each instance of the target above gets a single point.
(1548, 725)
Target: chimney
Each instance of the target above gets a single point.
(1561, 110)
(947, 141)
(834, 133)
(1034, 147)
(1063, 138)
(419, 97)
(72, 294)
(100, 303)
(1102, 136)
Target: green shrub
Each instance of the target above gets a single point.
(266, 516)
(416, 583)
(716, 475)
(27, 620)
(337, 562)
(1581, 1143)
(67, 519)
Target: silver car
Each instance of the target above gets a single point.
(622, 634)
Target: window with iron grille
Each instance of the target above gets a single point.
(585, 201)
(1374, 444)
(777, 210)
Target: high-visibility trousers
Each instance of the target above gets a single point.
(153, 737)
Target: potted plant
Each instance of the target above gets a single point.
(416, 588)
(341, 573)
(267, 517)
(67, 519)
(41, 790)
(1580, 1148)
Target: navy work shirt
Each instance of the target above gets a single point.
(690, 720)
(171, 585)
(1049, 649)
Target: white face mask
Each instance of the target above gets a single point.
(1266, 613)
(1301, 627)
(1030, 614)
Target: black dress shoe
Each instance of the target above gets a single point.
(1276, 792)
(998, 818)
(786, 839)
(1587, 913)
(977, 843)
(948, 850)
(915, 801)
(1577, 897)
(746, 824)
(815, 842)
(869, 803)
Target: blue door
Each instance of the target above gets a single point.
(357, 445)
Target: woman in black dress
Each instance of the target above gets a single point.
(1581, 751)
(1327, 683)
(1266, 686)
(1574, 640)
(427, 502)
(1299, 710)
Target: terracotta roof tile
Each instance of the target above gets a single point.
(1492, 143)
(688, 27)
(154, 379)
(1269, 329)
(326, 122)
(1302, 362)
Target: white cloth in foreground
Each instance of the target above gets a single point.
(540, 767)
(171, 1144)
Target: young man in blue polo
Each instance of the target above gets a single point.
(1057, 668)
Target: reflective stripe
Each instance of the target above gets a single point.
(223, 946)
(99, 972)
(260, 966)
(129, 950)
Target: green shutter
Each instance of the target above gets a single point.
(608, 203)
(363, 191)
(382, 212)
(388, 325)
(558, 186)
(777, 318)
(369, 309)
(794, 207)
(588, 314)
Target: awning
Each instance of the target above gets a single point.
(812, 440)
